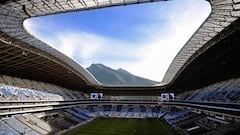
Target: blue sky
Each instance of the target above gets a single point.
(142, 38)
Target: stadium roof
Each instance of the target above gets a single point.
(25, 56)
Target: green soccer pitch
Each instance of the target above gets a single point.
(122, 126)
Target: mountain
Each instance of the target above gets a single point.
(107, 75)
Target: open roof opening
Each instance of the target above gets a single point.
(142, 39)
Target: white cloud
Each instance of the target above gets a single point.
(158, 54)
(84, 47)
(83, 44)
(153, 55)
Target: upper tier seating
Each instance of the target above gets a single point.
(12, 88)
(222, 92)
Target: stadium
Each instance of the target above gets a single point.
(42, 91)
